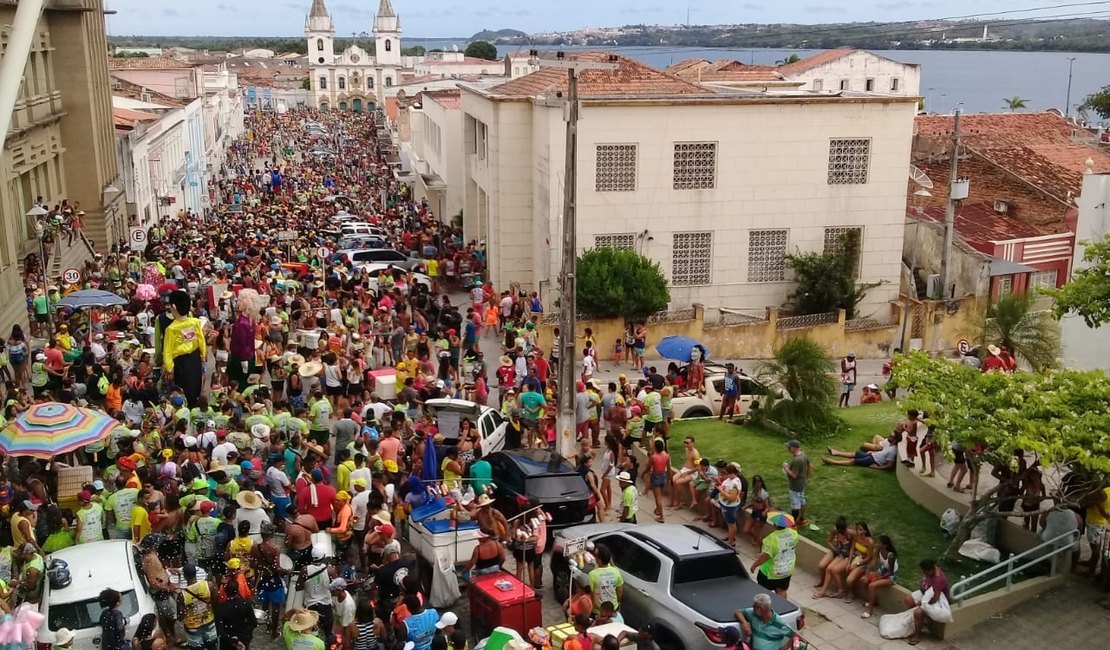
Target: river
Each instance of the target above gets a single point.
(979, 80)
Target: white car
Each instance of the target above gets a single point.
(375, 270)
(94, 567)
(489, 422)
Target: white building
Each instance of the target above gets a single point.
(353, 80)
(436, 151)
(151, 144)
(223, 114)
(456, 64)
(718, 187)
(855, 71)
(1084, 347)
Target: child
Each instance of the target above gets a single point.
(618, 351)
(757, 510)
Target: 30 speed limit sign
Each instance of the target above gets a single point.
(71, 276)
(137, 238)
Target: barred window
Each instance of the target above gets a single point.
(623, 241)
(766, 255)
(691, 258)
(841, 238)
(695, 165)
(849, 160)
(616, 168)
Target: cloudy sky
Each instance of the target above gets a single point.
(454, 18)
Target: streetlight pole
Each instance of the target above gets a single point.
(36, 213)
(565, 440)
(1067, 102)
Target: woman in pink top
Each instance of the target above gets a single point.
(656, 473)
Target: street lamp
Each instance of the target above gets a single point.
(36, 213)
(1067, 102)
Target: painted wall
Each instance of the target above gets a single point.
(859, 66)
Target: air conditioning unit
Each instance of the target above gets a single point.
(933, 290)
(1001, 207)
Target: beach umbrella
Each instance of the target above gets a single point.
(49, 429)
(780, 519)
(430, 471)
(91, 298)
(678, 348)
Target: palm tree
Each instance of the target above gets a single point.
(801, 367)
(1016, 103)
(1031, 334)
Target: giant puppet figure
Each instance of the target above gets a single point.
(240, 358)
(183, 348)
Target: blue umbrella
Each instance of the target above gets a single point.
(86, 298)
(430, 472)
(678, 348)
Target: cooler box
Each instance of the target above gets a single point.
(517, 607)
(70, 480)
(432, 533)
(385, 383)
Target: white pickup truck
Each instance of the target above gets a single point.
(691, 404)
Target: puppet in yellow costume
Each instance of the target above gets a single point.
(183, 349)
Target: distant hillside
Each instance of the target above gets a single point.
(488, 35)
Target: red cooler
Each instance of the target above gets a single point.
(499, 599)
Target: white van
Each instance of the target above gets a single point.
(361, 228)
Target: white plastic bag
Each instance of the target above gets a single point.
(896, 626)
(981, 551)
(938, 612)
(950, 521)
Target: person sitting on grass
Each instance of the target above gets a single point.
(878, 454)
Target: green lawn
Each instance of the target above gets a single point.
(857, 493)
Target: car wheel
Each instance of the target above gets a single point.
(560, 578)
(697, 412)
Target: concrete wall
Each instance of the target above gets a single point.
(857, 68)
(924, 246)
(445, 158)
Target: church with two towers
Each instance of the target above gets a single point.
(353, 80)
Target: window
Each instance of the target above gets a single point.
(370, 83)
(342, 83)
(623, 241)
(895, 82)
(691, 257)
(1005, 285)
(1043, 279)
(480, 135)
(869, 85)
(766, 255)
(839, 239)
(818, 84)
(323, 83)
(632, 558)
(695, 165)
(616, 168)
(388, 82)
(319, 45)
(849, 160)
(388, 45)
(844, 84)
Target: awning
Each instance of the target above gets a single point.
(1000, 266)
(392, 159)
(433, 181)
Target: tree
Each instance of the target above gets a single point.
(1098, 102)
(1088, 293)
(482, 50)
(801, 368)
(1016, 103)
(615, 282)
(1061, 418)
(793, 58)
(1015, 323)
(827, 281)
(306, 84)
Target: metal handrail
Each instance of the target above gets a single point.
(964, 588)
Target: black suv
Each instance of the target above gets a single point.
(524, 474)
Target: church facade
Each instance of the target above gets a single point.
(354, 79)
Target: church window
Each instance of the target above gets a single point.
(342, 83)
(388, 82)
(370, 82)
(323, 82)
(320, 44)
(388, 45)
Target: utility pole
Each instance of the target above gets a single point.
(957, 191)
(1067, 102)
(565, 440)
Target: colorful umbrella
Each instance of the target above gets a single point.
(49, 429)
(780, 519)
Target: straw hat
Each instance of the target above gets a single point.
(994, 350)
(303, 620)
(296, 359)
(506, 361)
(382, 517)
(249, 500)
(484, 501)
(260, 431)
(310, 368)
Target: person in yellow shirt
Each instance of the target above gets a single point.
(183, 347)
(140, 522)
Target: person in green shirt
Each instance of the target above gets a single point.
(481, 473)
(628, 498)
(606, 581)
(119, 506)
(532, 402)
(764, 629)
(298, 633)
(653, 410)
(775, 563)
(90, 519)
(320, 415)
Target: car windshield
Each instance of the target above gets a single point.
(557, 487)
(708, 567)
(83, 614)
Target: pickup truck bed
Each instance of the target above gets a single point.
(718, 599)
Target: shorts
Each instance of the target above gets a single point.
(774, 584)
(42, 318)
(319, 437)
(797, 499)
(658, 479)
(959, 457)
(730, 513)
(628, 441)
(846, 387)
(667, 415)
(271, 591)
(758, 515)
(526, 554)
(1095, 535)
(864, 459)
(281, 506)
(649, 427)
(300, 557)
(202, 637)
(166, 607)
(334, 391)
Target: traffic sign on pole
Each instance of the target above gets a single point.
(323, 252)
(71, 276)
(138, 238)
(964, 346)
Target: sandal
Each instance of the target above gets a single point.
(913, 640)
(865, 615)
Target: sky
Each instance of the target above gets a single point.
(462, 18)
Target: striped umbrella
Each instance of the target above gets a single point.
(49, 429)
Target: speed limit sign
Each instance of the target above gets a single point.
(71, 276)
(138, 238)
(323, 252)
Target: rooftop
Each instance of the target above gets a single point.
(630, 78)
(724, 70)
(451, 99)
(146, 63)
(811, 62)
(124, 88)
(1043, 149)
(125, 118)
(981, 227)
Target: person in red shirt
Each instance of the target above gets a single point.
(317, 499)
(55, 364)
(994, 361)
(543, 368)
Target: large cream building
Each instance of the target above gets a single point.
(717, 184)
(353, 79)
(60, 143)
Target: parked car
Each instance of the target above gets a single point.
(380, 256)
(361, 228)
(489, 422)
(360, 242)
(375, 270)
(94, 567)
(681, 579)
(524, 474)
(694, 405)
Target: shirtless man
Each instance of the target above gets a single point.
(685, 476)
(298, 539)
(162, 589)
(491, 519)
(271, 587)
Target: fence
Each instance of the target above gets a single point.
(807, 320)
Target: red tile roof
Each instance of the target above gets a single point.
(703, 70)
(630, 78)
(980, 226)
(451, 99)
(811, 62)
(125, 118)
(1043, 149)
(146, 63)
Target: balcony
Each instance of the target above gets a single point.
(38, 110)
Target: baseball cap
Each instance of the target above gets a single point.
(207, 506)
(385, 529)
(359, 482)
(392, 547)
(98, 485)
(447, 620)
(793, 444)
(84, 496)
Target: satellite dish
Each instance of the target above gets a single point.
(920, 177)
(455, 47)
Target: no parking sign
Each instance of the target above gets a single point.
(137, 238)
